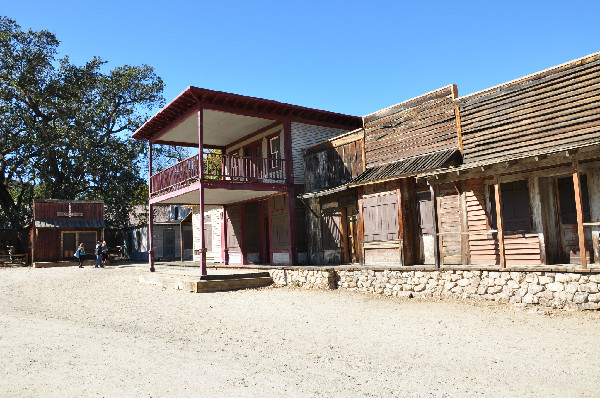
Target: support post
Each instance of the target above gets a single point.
(436, 247)
(242, 239)
(270, 231)
(464, 225)
(499, 224)
(291, 198)
(201, 190)
(361, 228)
(579, 207)
(151, 236)
(150, 212)
(224, 247)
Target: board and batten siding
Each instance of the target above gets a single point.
(305, 135)
(548, 111)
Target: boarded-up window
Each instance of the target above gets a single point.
(566, 195)
(188, 239)
(330, 227)
(301, 243)
(380, 215)
(516, 211)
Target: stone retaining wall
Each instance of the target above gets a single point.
(549, 289)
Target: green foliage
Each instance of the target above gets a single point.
(64, 129)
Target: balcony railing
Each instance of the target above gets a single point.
(219, 167)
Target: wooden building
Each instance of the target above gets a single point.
(509, 176)
(249, 162)
(528, 191)
(59, 226)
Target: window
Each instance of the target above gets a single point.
(380, 217)
(138, 241)
(274, 151)
(176, 216)
(566, 197)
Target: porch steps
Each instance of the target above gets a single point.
(208, 283)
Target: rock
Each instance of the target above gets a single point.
(419, 288)
(589, 306)
(580, 297)
(594, 298)
(594, 278)
(494, 289)
(530, 299)
(534, 289)
(463, 282)
(562, 278)
(543, 280)
(555, 287)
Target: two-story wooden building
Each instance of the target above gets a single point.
(249, 161)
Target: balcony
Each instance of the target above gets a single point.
(218, 167)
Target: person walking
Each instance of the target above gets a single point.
(104, 253)
(79, 254)
(99, 255)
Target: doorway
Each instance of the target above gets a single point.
(567, 209)
(169, 243)
(351, 220)
(426, 235)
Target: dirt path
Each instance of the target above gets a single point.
(101, 333)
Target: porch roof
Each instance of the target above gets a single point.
(248, 113)
(69, 223)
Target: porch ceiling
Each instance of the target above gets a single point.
(228, 116)
(220, 128)
(213, 196)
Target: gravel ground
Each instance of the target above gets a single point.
(100, 333)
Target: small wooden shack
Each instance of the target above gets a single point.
(59, 226)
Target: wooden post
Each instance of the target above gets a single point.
(270, 231)
(464, 226)
(151, 237)
(436, 247)
(579, 207)
(242, 240)
(439, 238)
(224, 243)
(291, 198)
(499, 222)
(361, 228)
(201, 190)
(401, 245)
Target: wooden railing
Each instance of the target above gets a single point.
(219, 167)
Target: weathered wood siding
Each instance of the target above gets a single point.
(418, 126)
(334, 162)
(483, 244)
(544, 112)
(449, 224)
(47, 210)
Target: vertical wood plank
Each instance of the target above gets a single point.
(579, 207)
(439, 237)
(344, 228)
(243, 233)
(500, 227)
(224, 243)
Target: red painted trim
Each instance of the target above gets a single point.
(252, 135)
(270, 231)
(149, 168)
(243, 233)
(188, 144)
(225, 247)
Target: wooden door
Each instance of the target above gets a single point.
(68, 245)
(252, 163)
(89, 241)
(352, 228)
(426, 233)
(208, 233)
(169, 243)
(569, 235)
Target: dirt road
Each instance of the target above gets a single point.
(100, 333)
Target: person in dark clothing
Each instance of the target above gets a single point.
(79, 254)
(104, 253)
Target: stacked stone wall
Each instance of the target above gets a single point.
(550, 289)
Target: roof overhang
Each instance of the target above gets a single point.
(70, 223)
(227, 117)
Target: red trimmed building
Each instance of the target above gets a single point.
(251, 164)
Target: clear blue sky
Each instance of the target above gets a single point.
(353, 57)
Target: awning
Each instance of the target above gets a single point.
(405, 167)
(324, 192)
(64, 223)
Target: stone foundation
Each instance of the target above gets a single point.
(546, 288)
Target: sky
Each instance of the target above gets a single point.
(351, 57)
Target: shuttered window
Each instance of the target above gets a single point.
(330, 227)
(380, 214)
